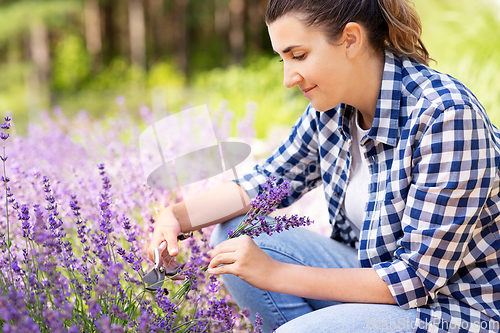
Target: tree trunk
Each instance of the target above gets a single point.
(237, 32)
(221, 18)
(110, 31)
(161, 27)
(93, 30)
(256, 25)
(37, 91)
(40, 53)
(137, 32)
(181, 53)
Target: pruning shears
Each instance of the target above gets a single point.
(156, 276)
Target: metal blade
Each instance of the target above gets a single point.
(154, 280)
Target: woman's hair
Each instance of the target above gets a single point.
(390, 24)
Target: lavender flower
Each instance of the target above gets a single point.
(164, 322)
(15, 314)
(254, 222)
(257, 324)
(24, 216)
(5, 126)
(213, 286)
(15, 267)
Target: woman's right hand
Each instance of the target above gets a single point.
(167, 228)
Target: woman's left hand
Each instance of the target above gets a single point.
(242, 257)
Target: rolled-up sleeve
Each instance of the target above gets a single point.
(453, 169)
(296, 159)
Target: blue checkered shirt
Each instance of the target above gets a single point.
(431, 223)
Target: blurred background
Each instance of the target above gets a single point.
(112, 56)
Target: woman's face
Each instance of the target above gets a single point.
(318, 68)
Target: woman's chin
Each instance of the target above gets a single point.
(322, 107)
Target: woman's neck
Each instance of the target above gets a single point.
(366, 91)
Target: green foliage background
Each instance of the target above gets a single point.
(461, 35)
(464, 38)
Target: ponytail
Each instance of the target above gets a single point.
(390, 24)
(404, 29)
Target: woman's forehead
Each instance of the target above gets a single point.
(289, 31)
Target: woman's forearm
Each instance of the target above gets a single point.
(213, 206)
(352, 285)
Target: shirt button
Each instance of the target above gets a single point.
(337, 194)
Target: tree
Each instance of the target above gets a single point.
(93, 30)
(137, 32)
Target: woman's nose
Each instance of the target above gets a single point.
(290, 77)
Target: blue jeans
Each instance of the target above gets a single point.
(297, 314)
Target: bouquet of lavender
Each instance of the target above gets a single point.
(253, 224)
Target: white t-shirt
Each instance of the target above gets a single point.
(356, 195)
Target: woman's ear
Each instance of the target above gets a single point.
(353, 39)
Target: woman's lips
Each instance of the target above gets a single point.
(307, 91)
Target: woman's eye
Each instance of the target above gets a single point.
(299, 57)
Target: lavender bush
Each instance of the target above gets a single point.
(77, 217)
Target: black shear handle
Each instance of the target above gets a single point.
(182, 236)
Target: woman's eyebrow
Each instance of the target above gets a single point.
(288, 49)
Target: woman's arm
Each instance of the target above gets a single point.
(243, 258)
(348, 285)
(213, 206)
(296, 160)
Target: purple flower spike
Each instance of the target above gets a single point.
(4, 136)
(255, 223)
(15, 267)
(257, 324)
(24, 216)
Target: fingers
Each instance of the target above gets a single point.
(226, 246)
(171, 238)
(166, 229)
(160, 235)
(152, 246)
(229, 256)
(170, 229)
(220, 270)
(222, 259)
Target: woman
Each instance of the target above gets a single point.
(409, 163)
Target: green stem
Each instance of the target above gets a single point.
(191, 323)
(37, 272)
(243, 224)
(182, 292)
(7, 212)
(110, 249)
